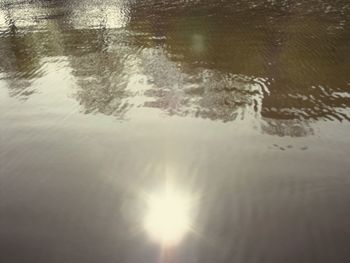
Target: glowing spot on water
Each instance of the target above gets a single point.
(168, 217)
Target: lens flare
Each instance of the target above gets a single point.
(168, 217)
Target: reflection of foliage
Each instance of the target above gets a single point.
(100, 72)
(19, 63)
(23, 47)
(210, 94)
(227, 97)
(102, 84)
(268, 59)
(293, 128)
(303, 58)
(203, 93)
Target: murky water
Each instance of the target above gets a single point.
(242, 105)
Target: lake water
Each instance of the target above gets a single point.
(242, 105)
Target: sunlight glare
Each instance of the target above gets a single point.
(168, 217)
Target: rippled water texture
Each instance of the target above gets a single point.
(242, 105)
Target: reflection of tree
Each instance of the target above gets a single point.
(99, 73)
(18, 60)
(309, 70)
(303, 59)
(201, 93)
(210, 94)
(102, 82)
(293, 128)
(25, 42)
(219, 61)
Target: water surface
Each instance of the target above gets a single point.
(243, 104)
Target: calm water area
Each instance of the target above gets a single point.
(242, 106)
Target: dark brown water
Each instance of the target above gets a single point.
(243, 104)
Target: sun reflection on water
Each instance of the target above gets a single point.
(168, 218)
